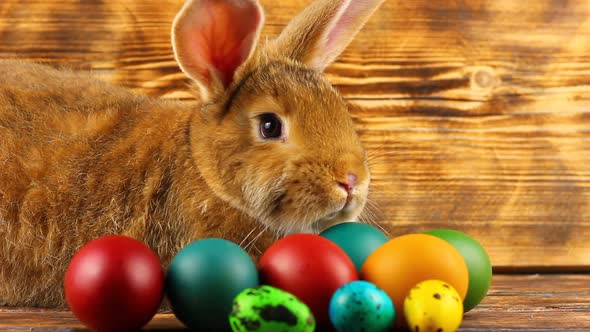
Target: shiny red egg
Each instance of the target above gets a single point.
(114, 283)
(310, 267)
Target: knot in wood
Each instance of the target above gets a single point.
(483, 78)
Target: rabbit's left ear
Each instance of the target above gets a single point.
(322, 31)
(213, 38)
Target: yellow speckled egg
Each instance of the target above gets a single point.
(433, 306)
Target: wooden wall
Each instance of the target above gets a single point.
(477, 111)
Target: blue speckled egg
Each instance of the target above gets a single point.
(361, 306)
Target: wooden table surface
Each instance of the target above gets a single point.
(527, 302)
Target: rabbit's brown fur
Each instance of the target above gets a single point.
(73, 170)
(80, 158)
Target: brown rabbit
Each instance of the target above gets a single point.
(270, 147)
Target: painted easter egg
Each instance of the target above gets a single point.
(269, 309)
(402, 262)
(358, 240)
(433, 306)
(310, 267)
(203, 280)
(361, 306)
(478, 264)
(114, 283)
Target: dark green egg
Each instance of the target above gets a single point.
(204, 278)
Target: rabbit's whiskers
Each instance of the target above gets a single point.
(252, 243)
(248, 235)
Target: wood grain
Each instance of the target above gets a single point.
(476, 113)
(531, 303)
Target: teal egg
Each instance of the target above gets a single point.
(269, 309)
(358, 240)
(360, 306)
(204, 278)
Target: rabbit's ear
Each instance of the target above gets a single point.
(212, 38)
(318, 35)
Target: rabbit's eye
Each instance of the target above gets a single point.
(270, 126)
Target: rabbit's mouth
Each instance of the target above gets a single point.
(345, 209)
(289, 214)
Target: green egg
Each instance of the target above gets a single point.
(269, 309)
(477, 260)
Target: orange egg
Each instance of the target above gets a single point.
(402, 262)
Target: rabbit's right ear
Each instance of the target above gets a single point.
(213, 38)
(322, 31)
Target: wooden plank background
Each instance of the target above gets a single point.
(477, 112)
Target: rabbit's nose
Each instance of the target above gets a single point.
(349, 183)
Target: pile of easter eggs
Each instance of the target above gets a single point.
(350, 277)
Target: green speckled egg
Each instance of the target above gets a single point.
(269, 309)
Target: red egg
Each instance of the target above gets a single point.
(114, 283)
(310, 267)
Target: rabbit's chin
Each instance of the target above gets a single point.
(334, 219)
(321, 224)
